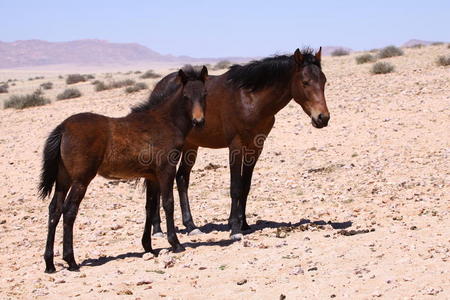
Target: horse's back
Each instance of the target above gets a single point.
(84, 142)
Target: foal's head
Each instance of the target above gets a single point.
(308, 86)
(194, 93)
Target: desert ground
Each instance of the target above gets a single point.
(357, 210)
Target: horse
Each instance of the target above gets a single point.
(242, 104)
(146, 143)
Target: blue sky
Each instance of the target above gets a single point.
(228, 28)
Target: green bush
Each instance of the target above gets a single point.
(69, 94)
(136, 88)
(364, 58)
(24, 101)
(47, 85)
(150, 74)
(382, 68)
(340, 52)
(390, 51)
(443, 60)
(75, 78)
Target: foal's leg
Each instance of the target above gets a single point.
(183, 176)
(236, 191)
(70, 211)
(54, 214)
(151, 209)
(166, 180)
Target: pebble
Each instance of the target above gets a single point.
(148, 256)
(242, 281)
(296, 271)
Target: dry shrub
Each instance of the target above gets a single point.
(136, 88)
(150, 74)
(443, 60)
(47, 85)
(24, 101)
(75, 78)
(223, 64)
(69, 94)
(390, 51)
(382, 68)
(365, 58)
(340, 52)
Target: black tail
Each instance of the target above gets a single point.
(50, 162)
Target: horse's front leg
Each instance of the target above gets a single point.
(236, 192)
(166, 179)
(183, 175)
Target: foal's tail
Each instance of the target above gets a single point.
(50, 162)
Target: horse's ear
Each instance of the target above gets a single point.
(182, 77)
(204, 74)
(298, 56)
(318, 54)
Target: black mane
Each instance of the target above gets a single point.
(158, 97)
(268, 71)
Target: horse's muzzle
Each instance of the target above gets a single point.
(198, 123)
(321, 121)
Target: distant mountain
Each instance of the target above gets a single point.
(81, 52)
(93, 52)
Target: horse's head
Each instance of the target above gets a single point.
(308, 87)
(194, 92)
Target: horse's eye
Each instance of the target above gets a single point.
(306, 83)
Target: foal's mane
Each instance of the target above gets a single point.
(158, 97)
(268, 71)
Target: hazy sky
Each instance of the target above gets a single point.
(228, 28)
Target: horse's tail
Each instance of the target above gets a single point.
(51, 158)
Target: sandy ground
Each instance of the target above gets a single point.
(381, 169)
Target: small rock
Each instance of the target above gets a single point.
(282, 297)
(296, 271)
(414, 227)
(148, 256)
(143, 282)
(242, 281)
(2, 221)
(376, 294)
(116, 227)
(125, 292)
(312, 269)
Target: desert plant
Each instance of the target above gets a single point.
(47, 85)
(75, 78)
(89, 76)
(437, 43)
(390, 51)
(61, 77)
(24, 101)
(223, 64)
(69, 94)
(4, 88)
(364, 58)
(138, 72)
(101, 86)
(443, 60)
(382, 68)
(340, 52)
(150, 74)
(136, 88)
(416, 46)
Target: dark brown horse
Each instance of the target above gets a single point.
(146, 144)
(242, 104)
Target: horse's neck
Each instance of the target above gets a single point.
(175, 110)
(272, 99)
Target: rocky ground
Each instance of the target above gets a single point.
(357, 210)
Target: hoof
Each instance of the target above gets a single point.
(178, 249)
(50, 270)
(237, 236)
(196, 231)
(158, 234)
(74, 268)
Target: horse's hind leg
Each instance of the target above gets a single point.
(183, 175)
(70, 211)
(54, 214)
(151, 209)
